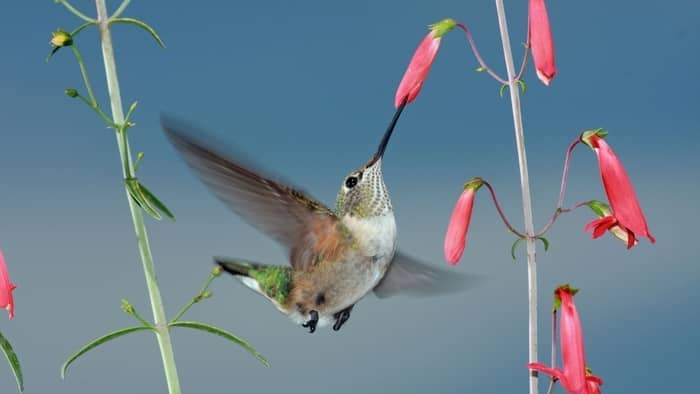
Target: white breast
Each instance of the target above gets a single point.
(376, 237)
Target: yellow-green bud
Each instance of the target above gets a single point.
(61, 38)
(71, 93)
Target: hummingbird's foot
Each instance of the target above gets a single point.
(341, 317)
(311, 324)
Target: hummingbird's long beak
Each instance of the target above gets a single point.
(387, 133)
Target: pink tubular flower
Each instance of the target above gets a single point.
(593, 382)
(625, 207)
(608, 222)
(574, 375)
(541, 41)
(421, 61)
(6, 288)
(456, 237)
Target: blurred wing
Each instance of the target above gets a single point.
(407, 275)
(306, 227)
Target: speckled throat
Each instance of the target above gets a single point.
(370, 197)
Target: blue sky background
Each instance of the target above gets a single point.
(307, 89)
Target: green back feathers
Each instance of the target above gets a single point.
(275, 282)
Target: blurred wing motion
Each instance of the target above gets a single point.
(409, 276)
(304, 226)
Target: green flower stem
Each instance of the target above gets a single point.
(199, 295)
(161, 325)
(525, 191)
(75, 11)
(128, 308)
(83, 71)
(120, 9)
(97, 110)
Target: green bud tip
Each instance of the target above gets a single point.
(126, 307)
(71, 93)
(216, 271)
(207, 294)
(443, 27)
(61, 38)
(600, 208)
(586, 135)
(557, 300)
(474, 183)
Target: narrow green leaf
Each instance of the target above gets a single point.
(97, 342)
(155, 201)
(13, 360)
(521, 83)
(127, 118)
(502, 89)
(54, 50)
(515, 245)
(137, 163)
(222, 333)
(142, 25)
(136, 192)
(81, 28)
(545, 242)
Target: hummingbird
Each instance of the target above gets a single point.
(336, 256)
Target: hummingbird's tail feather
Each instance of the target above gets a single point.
(236, 267)
(273, 282)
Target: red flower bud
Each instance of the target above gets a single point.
(541, 41)
(456, 237)
(421, 61)
(6, 288)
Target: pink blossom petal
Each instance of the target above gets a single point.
(541, 41)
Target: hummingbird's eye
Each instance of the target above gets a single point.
(351, 182)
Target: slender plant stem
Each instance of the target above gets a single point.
(477, 55)
(525, 188)
(161, 327)
(200, 296)
(75, 11)
(562, 190)
(556, 214)
(500, 211)
(120, 9)
(523, 65)
(83, 72)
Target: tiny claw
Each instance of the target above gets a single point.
(342, 317)
(311, 324)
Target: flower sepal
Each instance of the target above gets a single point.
(586, 136)
(443, 27)
(557, 298)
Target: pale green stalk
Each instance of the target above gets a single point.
(161, 324)
(525, 189)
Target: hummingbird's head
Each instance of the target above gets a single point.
(363, 192)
